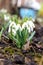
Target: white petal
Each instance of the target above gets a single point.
(31, 24)
(13, 25)
(29, 29)
(18, 27)
(9, 30)
(24, 25)
(14, 32)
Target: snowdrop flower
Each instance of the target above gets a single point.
(13, 25)
(3, 11)
(14, 32)
(29, 30)
(18, 27)
(6, 17)
(24, 25)
(31, 25)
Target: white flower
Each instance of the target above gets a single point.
(31, 25)
(13, 25)
(3, 11)
(29, 30)
(6, 17)
(24, 25)
(18, 27)
(14, 32)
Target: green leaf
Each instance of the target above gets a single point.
(32, 34)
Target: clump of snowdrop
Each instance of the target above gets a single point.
(18, 30)
(29, 25)
(21, 33)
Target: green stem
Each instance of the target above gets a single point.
(33, 33)
(1, 32)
